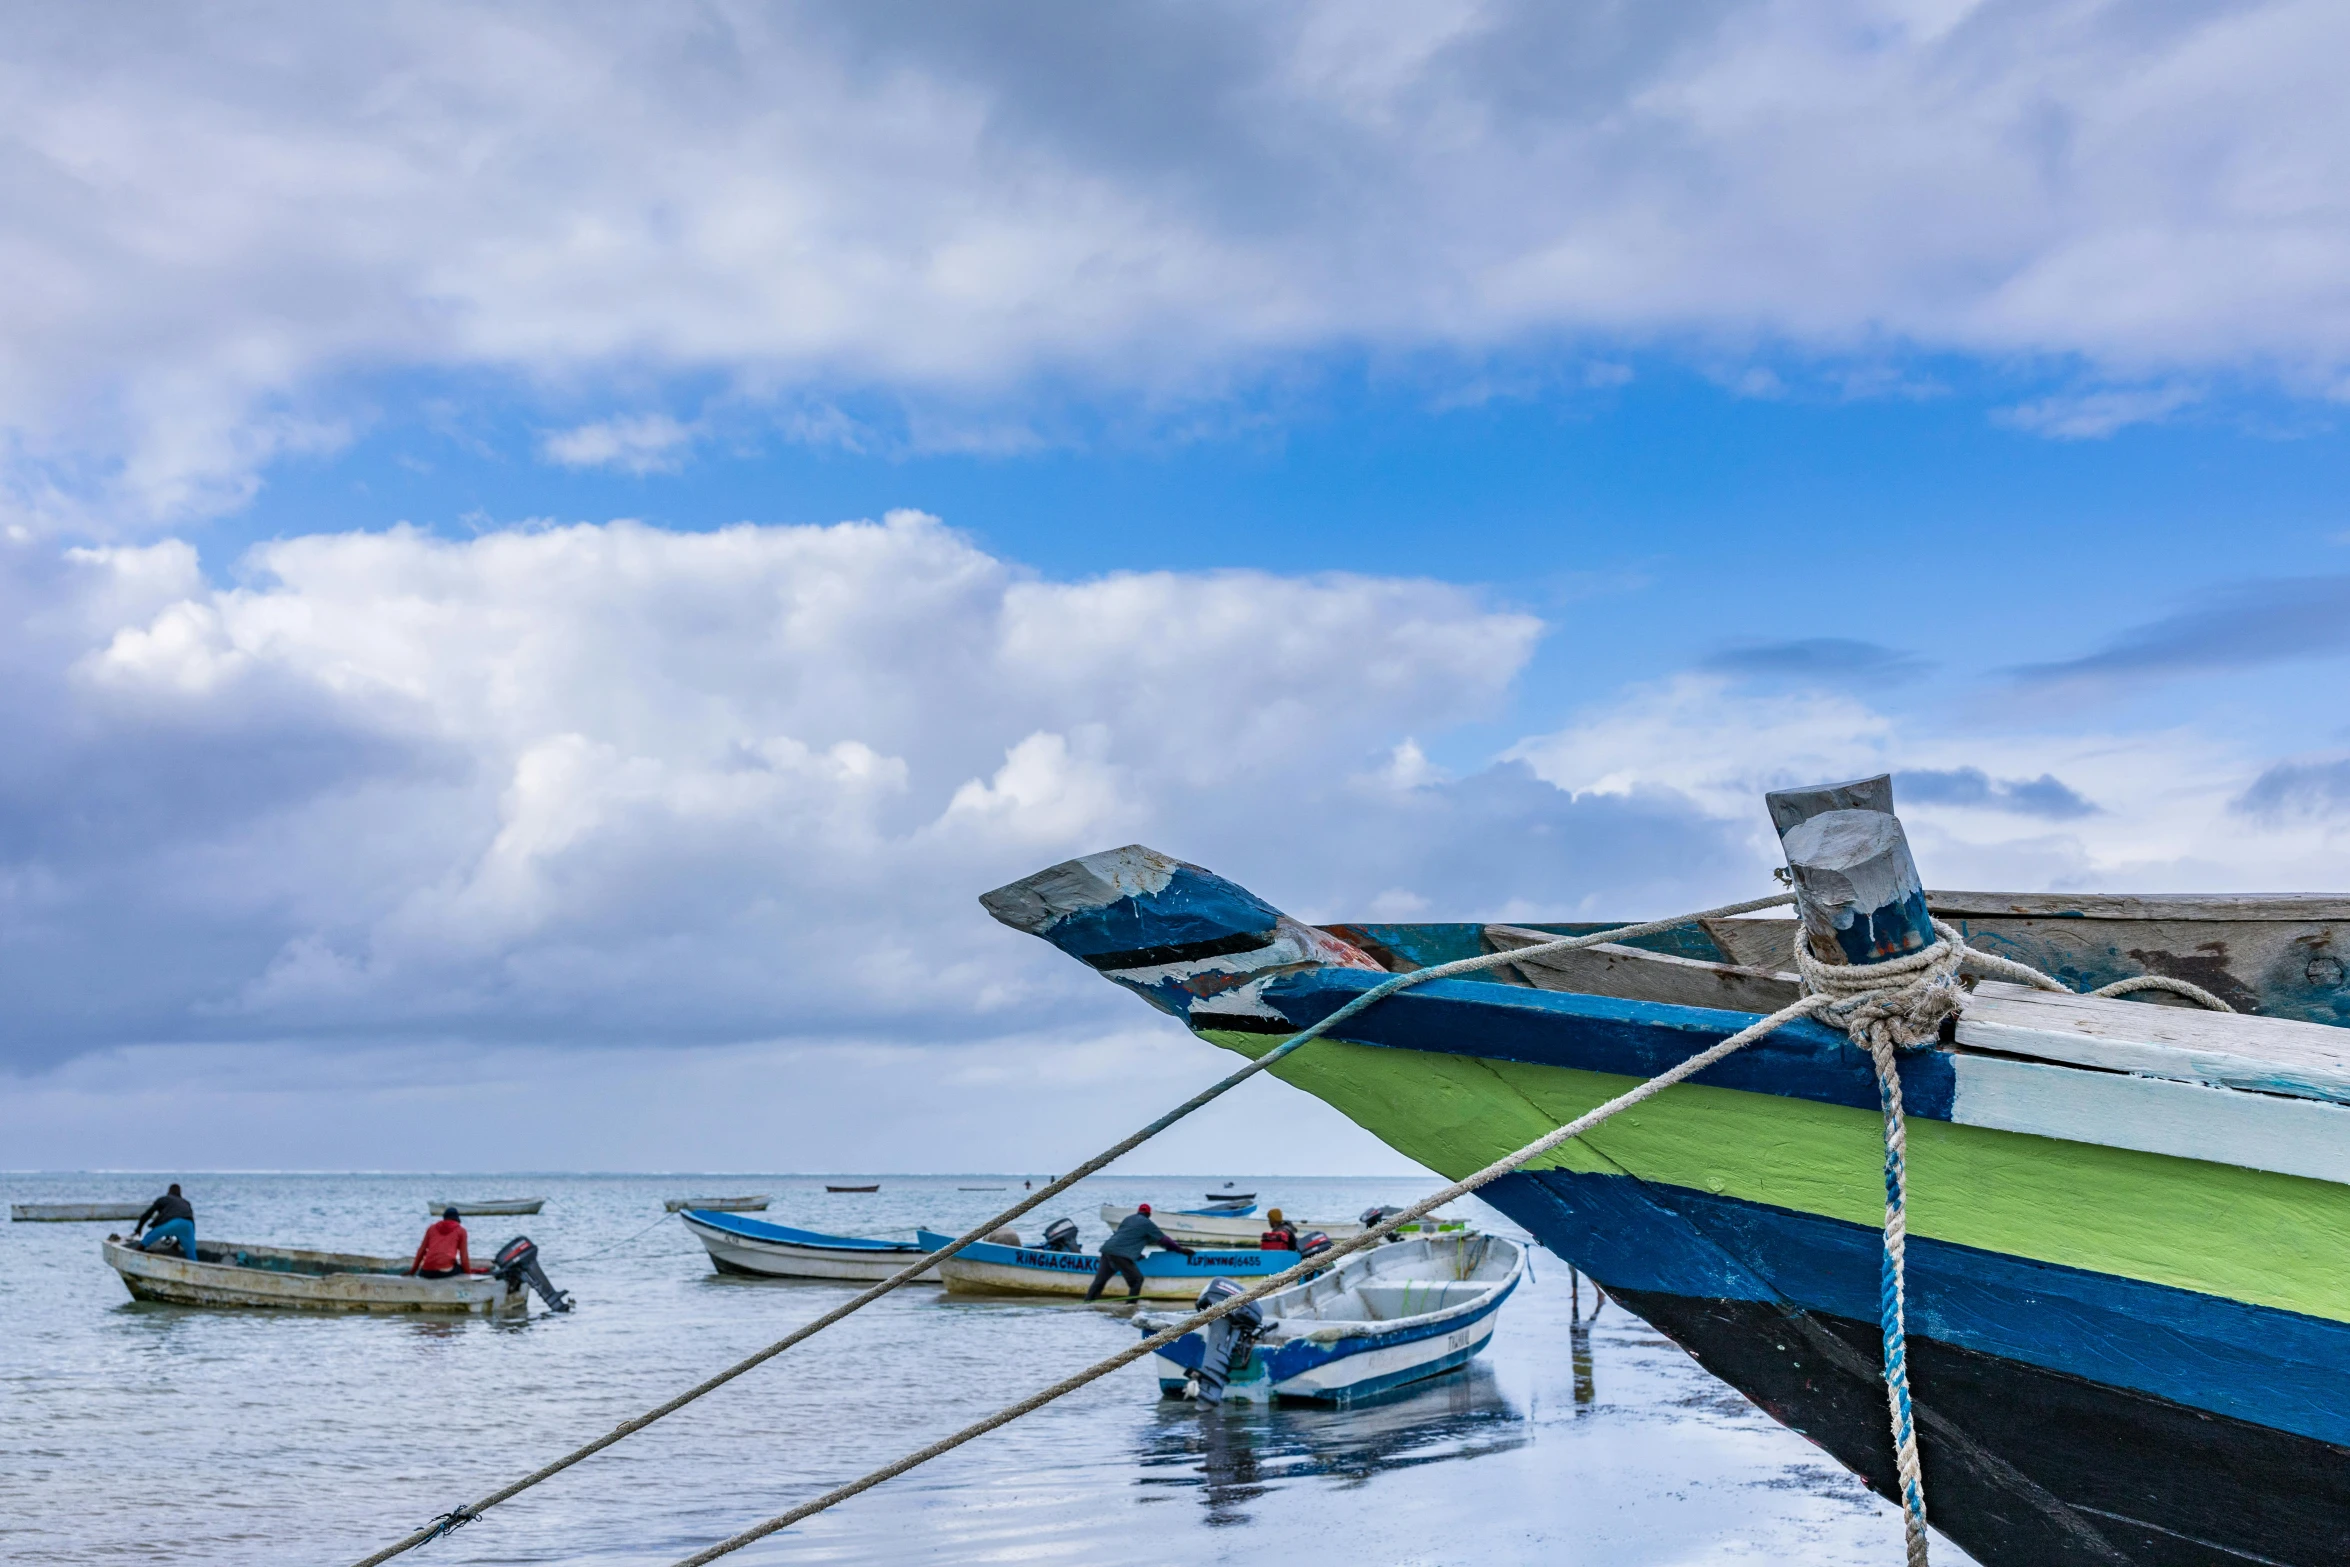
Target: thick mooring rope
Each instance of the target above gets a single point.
(1263, 1287)
(1887, 1019)
(459, 1516)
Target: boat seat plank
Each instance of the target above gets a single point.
(2263, 1054)
(1635, 974)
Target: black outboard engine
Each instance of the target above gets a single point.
(1061, 1235)
(1371, 1216)
(517, 1264)
(1312, 1244)
(1225, 1342)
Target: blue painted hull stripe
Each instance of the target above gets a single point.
(1804, 1060)
(762, 1230)
(1300, 1356)
(2257, 1363)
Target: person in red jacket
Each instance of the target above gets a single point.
(1280, 1234)
(441, 1254)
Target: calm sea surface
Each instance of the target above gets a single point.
(157, 1434)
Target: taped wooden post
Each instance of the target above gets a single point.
(1856, 887)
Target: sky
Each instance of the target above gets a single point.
(549, 553)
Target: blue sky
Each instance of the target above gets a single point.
(546, 557)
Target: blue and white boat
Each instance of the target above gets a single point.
(988, 1268)
(1382, 1318)
(740, 1245)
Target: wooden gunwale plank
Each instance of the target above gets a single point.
(1635, 974)
(2265, 1055)
(2293, 906)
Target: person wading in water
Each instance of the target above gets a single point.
(1122, 1253)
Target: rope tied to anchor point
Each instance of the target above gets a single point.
(1884, 1018)
(469, 1511)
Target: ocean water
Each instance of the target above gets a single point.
(145, 1433)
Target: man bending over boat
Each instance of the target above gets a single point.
(441, 1254)
(174, 1218)
(1122, 1253)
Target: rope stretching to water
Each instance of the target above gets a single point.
(1903, 1015)
(467, 1512)
(1263, 1287)
(1885, 1017)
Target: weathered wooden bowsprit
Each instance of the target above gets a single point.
(2128, 1225)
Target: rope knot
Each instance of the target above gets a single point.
(451, 1521)
(1899, 1004)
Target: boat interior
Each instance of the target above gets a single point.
(2273, 955)
(287, 1259)
(1404, 1279)
(2282, 962)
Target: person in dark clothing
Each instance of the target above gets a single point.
(174, 1221)
(1280, 1234)
(441, 1254)
(1122, 1253)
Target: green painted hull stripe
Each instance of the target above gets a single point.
(2248, 1235)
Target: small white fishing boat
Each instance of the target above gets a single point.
(779, 1251)
(994, 1268)
(755, 1203)
(73, 1212)
(241, 1274)
(1380, 1319)
(488, 1206)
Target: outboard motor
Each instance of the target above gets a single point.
(517, 1264)
(1061, 1235)
(1371, 1216)
(1313, 1243)
(1225, 1342)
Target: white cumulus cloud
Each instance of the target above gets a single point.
(218, 253)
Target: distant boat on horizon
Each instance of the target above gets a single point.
(486, 1206)
(72, 1212)
(876, 1186)
(756, 1202)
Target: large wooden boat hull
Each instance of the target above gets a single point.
(753, 1246)
(2129, 1253)
(279, 1278)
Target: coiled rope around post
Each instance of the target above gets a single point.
(1887, 1019)
(466, 1513)
(1888, 1007)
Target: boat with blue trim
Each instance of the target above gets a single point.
(996, 1268)
(756, 1246)
(2129, 1223)
(1380, 1320)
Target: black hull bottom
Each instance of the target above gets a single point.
(2025, 1467)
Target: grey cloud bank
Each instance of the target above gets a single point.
(610, 784)
(2236, 625)
(210, 245)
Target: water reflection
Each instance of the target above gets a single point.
(1579, 1339)
(1236, 1453)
